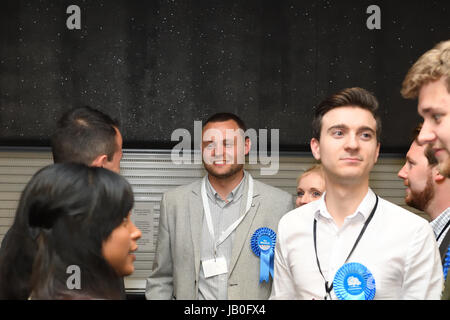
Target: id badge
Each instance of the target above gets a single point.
(215, 266)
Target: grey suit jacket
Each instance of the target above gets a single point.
(177, 261)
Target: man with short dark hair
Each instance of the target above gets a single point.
(208, 230)
(428, 190)
(352, 244)
(86, 135)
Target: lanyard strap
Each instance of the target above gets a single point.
(443, 229)
(327, 287)
(225, 234)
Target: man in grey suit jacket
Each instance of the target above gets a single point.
(205, 228)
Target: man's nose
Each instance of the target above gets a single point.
(352, 142)
(403, 172)
(426, 134)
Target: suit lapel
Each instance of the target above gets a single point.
(242, 231)
(196, 221)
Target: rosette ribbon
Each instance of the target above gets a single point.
(263, 246)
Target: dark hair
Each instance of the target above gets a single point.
(65, 214)
(225, 116)
(82, 134)
(416, 132)
(429, 154)
(357, 97)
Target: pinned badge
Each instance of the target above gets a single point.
(263, 246)
(353, 281)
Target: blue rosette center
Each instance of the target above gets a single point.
(353, 281)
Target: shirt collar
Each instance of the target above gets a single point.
(364, 209)
(439, 223)
(235, 194)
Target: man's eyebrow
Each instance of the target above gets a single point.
(408, 159)
(426, 109)
(338, 126)
(366, 128)
(343, 126)
(429, 109)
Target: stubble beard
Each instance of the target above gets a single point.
(420, 200)
(444, 168)
(233, 170)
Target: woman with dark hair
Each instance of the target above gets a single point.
(71, 217)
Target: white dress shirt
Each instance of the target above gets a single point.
(398, 247)
(223, 214)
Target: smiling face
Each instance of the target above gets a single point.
(224, 148)
(417, 177)
(348, 148)
(434, 107)
(119, 247)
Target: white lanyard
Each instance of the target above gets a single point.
(234, 225)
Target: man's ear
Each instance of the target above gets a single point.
(248, 145)
(437, 176)
(315, 148)
(377, 152)
(99, 161)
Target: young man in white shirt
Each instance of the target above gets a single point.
(393, 252)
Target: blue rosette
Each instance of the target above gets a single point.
(263, 246)
(353, 281)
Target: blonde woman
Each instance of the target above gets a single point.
(310, 185)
